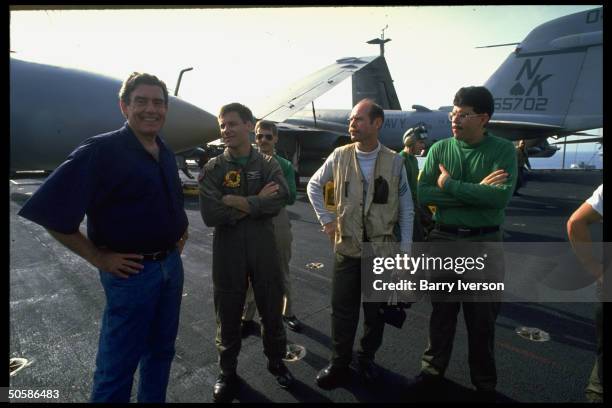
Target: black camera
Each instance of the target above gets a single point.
(395, 315)
(381, 191)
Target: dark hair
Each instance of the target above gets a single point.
(245, 113)
(376, 111)
(266, 125)
(137, 78)
(478, 97)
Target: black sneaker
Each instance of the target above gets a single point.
(282, 374)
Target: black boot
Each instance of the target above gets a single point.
(282, 374)
(369, 372)
(333, 376)
(225, 387)
(293, 323)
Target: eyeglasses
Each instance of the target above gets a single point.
(260, 136)
(462, 116)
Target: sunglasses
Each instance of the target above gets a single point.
(260, 136)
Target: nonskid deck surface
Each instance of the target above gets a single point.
(56, 302)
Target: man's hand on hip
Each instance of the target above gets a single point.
(330, 230)
(120, 265)
(180, 244)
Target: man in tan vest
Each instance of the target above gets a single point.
(371, 195)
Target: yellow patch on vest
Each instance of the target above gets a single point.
(328, 196)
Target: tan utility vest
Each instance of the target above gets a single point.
(351, 212)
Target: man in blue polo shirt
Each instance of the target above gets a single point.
(127, 183)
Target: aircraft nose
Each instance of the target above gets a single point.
(188, 126)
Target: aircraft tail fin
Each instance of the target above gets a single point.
(374, 81)
(554, 76)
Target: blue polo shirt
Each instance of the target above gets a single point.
(133, 203)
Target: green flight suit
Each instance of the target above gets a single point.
(244, 248)
(412, 173)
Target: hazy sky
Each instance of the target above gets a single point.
(245, 54)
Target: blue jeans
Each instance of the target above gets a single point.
(139, 325)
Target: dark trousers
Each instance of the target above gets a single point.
(229, 307)
(346, 300)
(520, 179)
(480, 323)
(236, 261)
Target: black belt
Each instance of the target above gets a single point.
(465, 231)
(157, 256)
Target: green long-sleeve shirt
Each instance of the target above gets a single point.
(463, 201)
(412, 172)
(289, 174)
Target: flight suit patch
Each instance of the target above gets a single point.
(232, 179)
(253, 175)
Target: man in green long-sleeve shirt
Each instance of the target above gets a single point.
(469, 178)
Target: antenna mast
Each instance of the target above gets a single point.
(381, 41)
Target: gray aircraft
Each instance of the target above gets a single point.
(53, 109)
(549, 86)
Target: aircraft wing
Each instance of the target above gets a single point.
(293, 127)
(517, 130)
(280, 107)
(589, 140)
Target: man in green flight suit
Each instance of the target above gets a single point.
(266, 137)
(469, 178)
(240, 191)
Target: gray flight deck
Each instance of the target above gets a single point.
(56, 302)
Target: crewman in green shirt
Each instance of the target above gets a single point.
(414, 145)
(470, 179)
(522, 160)
(266, 137)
